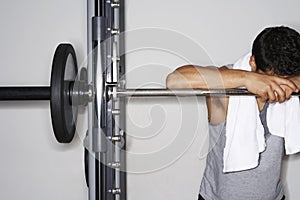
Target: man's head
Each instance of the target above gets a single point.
(276, 50)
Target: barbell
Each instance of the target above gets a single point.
(67, 92)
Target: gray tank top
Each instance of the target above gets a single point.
(260, 183)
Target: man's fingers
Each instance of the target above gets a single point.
(288, 91)
(290, 84)
(279, 93)
(271, 96)
(288, 95)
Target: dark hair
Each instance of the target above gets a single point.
(277, 49)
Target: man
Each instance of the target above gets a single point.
(274, 76)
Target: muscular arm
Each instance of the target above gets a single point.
(266, 86)
(190, 76)
(263, 85)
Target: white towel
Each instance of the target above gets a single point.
(245, 134)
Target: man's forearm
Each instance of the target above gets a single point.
(266, 86)
(207, 78)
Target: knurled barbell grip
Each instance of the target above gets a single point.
(25, 93)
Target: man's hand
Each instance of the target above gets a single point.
(269, 87)
(288, 90)
(295, 80)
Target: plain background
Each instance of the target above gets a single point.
(166, 137)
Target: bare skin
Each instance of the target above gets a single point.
(268, 87)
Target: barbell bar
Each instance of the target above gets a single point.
(44, 93)
(151, 92)
(67, 92)
(157, 92)
(25, 93)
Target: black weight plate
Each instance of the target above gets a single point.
(86, 166)
(63, 75)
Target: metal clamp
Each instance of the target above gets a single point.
(82, 93)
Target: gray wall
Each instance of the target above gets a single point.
(199, 32)
(166, 137)
(33, 164)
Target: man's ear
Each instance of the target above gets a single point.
(252, 63)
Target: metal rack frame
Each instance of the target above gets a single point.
(106, 160)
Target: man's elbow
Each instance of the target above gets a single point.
(179, 78)
(171, 80)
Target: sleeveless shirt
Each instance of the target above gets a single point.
(260, 183)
